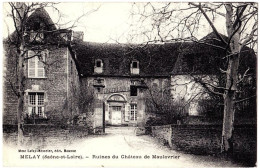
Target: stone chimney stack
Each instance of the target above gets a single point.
(78, 36)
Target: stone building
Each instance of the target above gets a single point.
(107, 84)
(51, 78)
(121, 78)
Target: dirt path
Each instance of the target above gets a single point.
(135, 150)
(120, 147)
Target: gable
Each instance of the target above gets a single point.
(40, 19)
(40, 29)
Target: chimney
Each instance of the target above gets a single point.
(78, 36)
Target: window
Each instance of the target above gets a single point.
(135, 67)
(36, 105)
(36, 64)
(36, 37)
(135, 64)
(133, 90)
(98, 63)
(133, 112)
(116, 108)
(98, 66)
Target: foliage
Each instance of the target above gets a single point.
(161, 107)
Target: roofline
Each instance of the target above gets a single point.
(128, 76)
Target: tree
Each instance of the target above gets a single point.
(161, 106)
(24, 36)
(168, 22)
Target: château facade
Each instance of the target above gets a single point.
(104, 84)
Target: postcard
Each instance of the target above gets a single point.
(129, 84)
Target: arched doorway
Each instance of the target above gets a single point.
(116, 112)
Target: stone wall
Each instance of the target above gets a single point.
(9, 97)
(206, 140)
(197, 139)
(163, 134)
(74, 89)
(41, 135)
(55, 85)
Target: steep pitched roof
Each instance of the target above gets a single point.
(212, 36)
(208, 55)
(40, 16)
(154, 59)
(159, 59)
(40, 21)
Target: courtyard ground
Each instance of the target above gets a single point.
(119, 147)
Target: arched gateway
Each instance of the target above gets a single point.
(117, 110)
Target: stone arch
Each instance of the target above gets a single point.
(117, 97)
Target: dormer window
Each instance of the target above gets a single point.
(135, 67)
(98, 63)
(135, 64)
(36, 36)
(98, 66)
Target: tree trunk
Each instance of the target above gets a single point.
(231, 85)
(20, 106)
(20, 28)
(228, 121)
(229, 105)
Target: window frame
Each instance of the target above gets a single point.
(38, 64)
(137, 64)
(133, 112)
(98, 69)
(100, 62)
(116, 108)
(135, 70)
(39, 103)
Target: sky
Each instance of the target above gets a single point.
(110, 20)
(109, 23)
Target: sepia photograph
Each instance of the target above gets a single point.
(129, 84)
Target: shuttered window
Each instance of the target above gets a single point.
(127, 107)
(36, 64)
